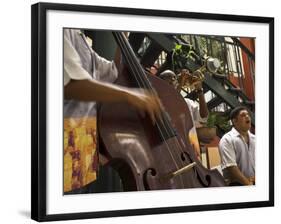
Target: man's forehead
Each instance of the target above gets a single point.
(243, 112)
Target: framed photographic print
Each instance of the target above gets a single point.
(138, 111)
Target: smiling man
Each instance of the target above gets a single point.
(237, 149)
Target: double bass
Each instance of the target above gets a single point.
(147, 156)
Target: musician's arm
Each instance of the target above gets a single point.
(203, 109)
(93, 90)
(235, 175)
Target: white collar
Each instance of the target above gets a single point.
(236, 133)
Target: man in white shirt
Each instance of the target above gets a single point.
(88, 78)
(237, 149)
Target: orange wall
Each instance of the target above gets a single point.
(248, 82)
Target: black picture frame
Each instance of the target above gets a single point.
(39, 112)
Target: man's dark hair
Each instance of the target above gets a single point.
(234, 113)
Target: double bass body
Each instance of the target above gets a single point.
(144, 157)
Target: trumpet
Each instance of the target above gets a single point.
(193, 81)
(190, 81)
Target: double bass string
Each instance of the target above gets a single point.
(145, 83)
(136, 70)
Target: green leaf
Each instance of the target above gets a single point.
(178, 47)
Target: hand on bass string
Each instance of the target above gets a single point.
(145, 102)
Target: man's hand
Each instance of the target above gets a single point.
(145, 102)
(252, 180)
(234, 174)
(198, 82)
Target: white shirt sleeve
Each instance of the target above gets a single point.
(195, 111)
(105, 70)
(227, 153)
(72, 65)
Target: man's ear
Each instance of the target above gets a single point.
(233, 121)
